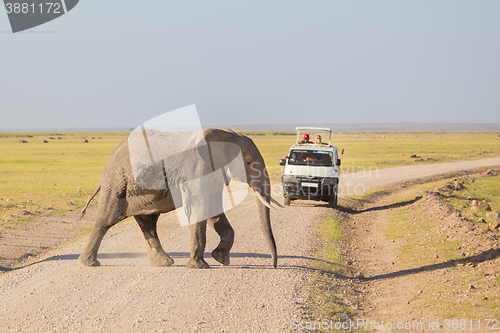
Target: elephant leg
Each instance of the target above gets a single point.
(109, 213)
(226, 233)
(105, 220)
(198, 242)
(88, 257)
(156, 254)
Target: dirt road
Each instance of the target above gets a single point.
(127, 294)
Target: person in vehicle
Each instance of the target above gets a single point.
(318, 139)
(311, 157)
(296, 157)
(306, 139)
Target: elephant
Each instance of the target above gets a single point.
(123, 195)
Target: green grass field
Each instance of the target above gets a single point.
(42, 178)
(385, 150)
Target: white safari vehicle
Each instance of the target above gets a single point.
(311, 167)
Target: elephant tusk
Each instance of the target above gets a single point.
(276, 202)
(261, 198)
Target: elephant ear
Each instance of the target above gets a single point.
(219, 151)
(204, 151)
(214, 147)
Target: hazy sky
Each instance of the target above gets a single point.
(120, 63)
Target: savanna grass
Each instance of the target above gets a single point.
(41, 178)
(62, 173)
(384, 150)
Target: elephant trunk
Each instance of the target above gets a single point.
(265, 220)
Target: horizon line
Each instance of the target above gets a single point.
(338, 127)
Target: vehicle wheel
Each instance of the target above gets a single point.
(333, 200)
(287, 201)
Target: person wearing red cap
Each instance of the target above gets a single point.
(306, 139)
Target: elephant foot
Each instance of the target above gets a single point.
(161, 260)
(90, 262)
(221, 256)
(200, 263)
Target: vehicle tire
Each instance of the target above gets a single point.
(287, 201)
(333, 200)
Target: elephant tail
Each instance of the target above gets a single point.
(82, 213)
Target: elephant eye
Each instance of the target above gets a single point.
(248, 162)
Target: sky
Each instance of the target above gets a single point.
(118, 64)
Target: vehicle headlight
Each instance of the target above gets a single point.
(290, 179)
(329, 181)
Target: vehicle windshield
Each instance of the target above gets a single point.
(310, 157)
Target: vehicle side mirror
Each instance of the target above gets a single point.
(338, 161)
(282, 162)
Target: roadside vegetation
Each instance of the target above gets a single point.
(458, 278)
(328, 289)
(451, 262)
(477, 199)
